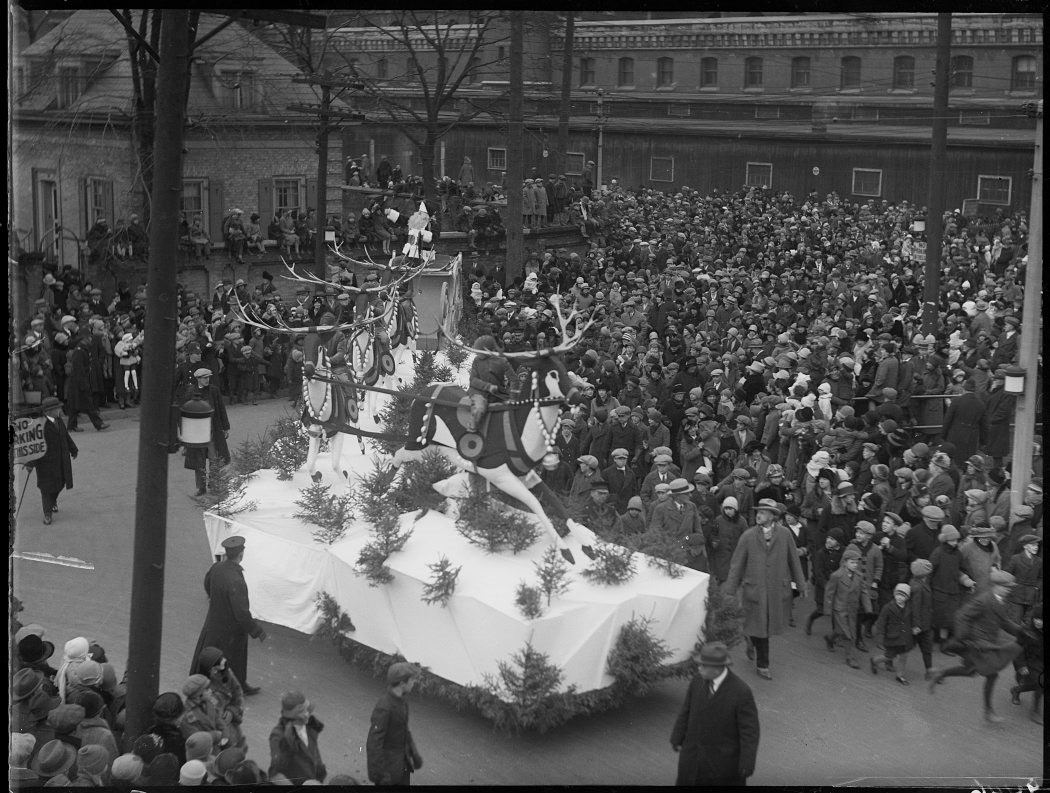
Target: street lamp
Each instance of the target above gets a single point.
(195, 427)
(1013, 383)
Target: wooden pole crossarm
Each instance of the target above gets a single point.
(225, 24)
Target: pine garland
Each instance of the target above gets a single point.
(723, 620)
(414, 488)
(334, 621)
(613, 564)
(228, 489)
(530, 670)
(387, 537)
(443, 584)
(638, 657)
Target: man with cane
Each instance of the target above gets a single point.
(54, 471)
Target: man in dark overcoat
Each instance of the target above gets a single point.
(197, 457)
(54, 471)
(390, 749)
(79, 387)
(964, 423)
(1000, 407)
(229, 622)
(716, 733)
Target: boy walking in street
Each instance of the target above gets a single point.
(842, 602)
(391, 751)
(895, 628)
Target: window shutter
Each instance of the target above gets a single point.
(216, 209)
(265, 202)
(85, 202)
(110, 205)
(310, 199)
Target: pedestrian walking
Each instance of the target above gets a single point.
(984, 635)
(716, 733)
(229, 622)
(895, 630)
(391, 750)
(766, 563)
(922, 611)
(1029, 664)
(293, 741)
(197, 458)
(54, 471)
(825, 562)
(842, 597)
(947, 582)
(1027, 569)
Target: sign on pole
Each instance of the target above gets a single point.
(918, 253)
(29, 440)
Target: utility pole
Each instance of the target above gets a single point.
(938, 166)
(1031, 329)
(515, 156)
(566, 90)
(151, 503)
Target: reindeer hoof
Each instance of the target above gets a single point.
(589, 551)
(346, 475)
(316, 476)
(567, 554)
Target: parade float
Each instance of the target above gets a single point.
(378, 518)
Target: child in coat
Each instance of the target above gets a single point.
(842, 602)
(922, 611)
(895, 628)
(825, 562)
(1029, 664)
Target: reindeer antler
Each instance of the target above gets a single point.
(252, 318)
(407, 274)
(564, 320)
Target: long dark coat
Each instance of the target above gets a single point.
(722, 539)
(78, 395)
(229, 622)
(766, 574)
(54, 471)
(999, 409)
(390, 749)
(220, 423)
(290, 757)
(964, 424)
(718, 733)
(944, 582)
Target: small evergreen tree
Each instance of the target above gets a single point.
(664, 550)
(637, 658)
(553, 573)
(529, 685)
(613, 564)
(443, 583)
(456, 356)
(332, 514)
(228, 490)
(334, 621)
(387, 537)
(529, 601)
(485, 523)
(414, 488)
(723, 620)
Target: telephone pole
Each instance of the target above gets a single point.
(938, 165)
(158, 367)
(1031, 329)
(515, 155)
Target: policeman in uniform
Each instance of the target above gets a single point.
(489, 375)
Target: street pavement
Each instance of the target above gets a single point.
(822, 723)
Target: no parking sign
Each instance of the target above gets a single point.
(27, 434)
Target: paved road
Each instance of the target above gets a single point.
(822, 723)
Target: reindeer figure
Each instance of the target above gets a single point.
(514, 435)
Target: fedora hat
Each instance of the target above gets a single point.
(681, 486)
(714, 654)
(770, 505)
(26, 683)
(54, 758)
(33, 650)
(981, 531)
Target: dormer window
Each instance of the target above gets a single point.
(236, 89)
(67, 85)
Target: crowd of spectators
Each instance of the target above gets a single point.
(68, 726)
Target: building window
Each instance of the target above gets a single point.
(625, 72)
(759, 174)
(195, 200)
(497, 159)
(679, 111)
(586, 71)
(237, 89)
(574, 162)
(850, 73)
(287, 195)
(410, 69)
(867, 182)
(501, 53)
(381, 69)
(67, 85)
(994, 190)
(473, 70)
(98, 201)
(800, 72)
(904, 72)
(753, 73)
(661, 169)
(708, 72)
(962, 72)
(1022, 75)
(664, 72)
